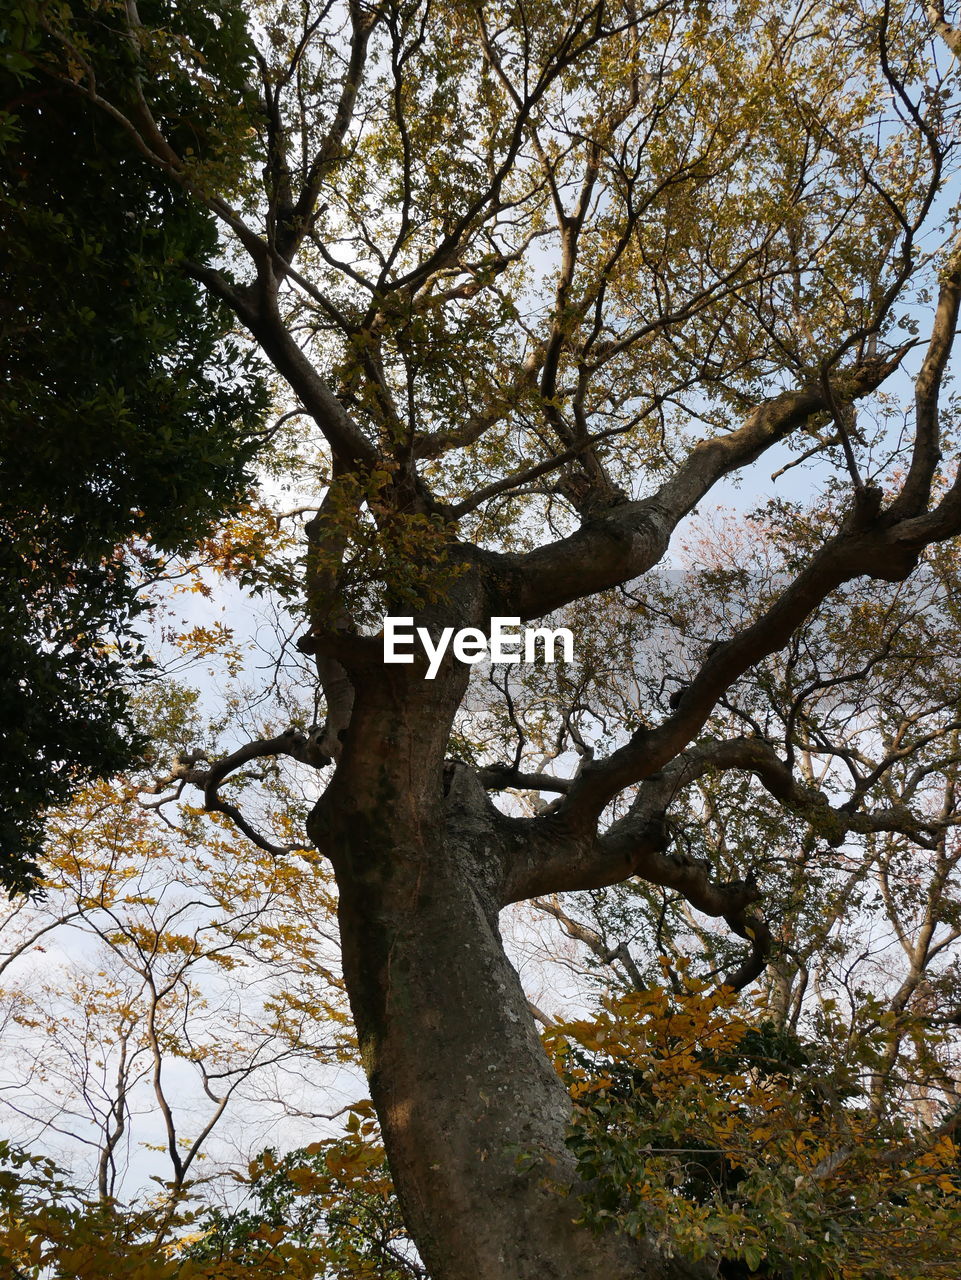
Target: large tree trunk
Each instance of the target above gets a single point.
(473, 1115)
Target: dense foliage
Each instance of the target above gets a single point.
(128, 412)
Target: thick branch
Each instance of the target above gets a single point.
(865, 546)
(629, 539)
(950, 35)
(188, 769)
(259, 312)
(916, 491)
(756, 756)
(500, 777)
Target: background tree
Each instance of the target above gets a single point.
(540, 280)
(128, 412)
(332, 1203)
(166, 992)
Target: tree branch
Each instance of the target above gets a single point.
(629, 539)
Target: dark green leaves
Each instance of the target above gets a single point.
(128, 415)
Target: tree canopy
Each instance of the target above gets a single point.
(128, 415)
(535, 283)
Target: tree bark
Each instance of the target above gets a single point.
(473, 1116)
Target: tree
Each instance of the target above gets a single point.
(708, 1133)
(331, 1205)
(185, 987)
(162, 1004)
(537, 280)
(129, 415)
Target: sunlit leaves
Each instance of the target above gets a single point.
(719, 1137)
(179, 957)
